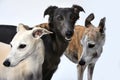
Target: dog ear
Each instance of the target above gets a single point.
(77, 9)
(50, 10)
(102, 25)
(22, 27)
(89, 19)
(39, 32)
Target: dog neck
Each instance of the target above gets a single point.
(36, 59)
(59, 42)
(37, 53)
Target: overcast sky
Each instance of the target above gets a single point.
(30, 12)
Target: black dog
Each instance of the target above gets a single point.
(61, 23)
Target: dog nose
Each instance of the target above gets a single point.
(82, 62)
(6, 63)
(69, 34)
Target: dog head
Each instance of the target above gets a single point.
(24, 44)
(62, 20)
(93, 40)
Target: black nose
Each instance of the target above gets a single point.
(82, 62)
(6, 63)
(69, 34)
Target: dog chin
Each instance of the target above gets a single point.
(13, 65)
(68, 39)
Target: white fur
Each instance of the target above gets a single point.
(24, 61)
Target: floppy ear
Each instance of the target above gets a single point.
(22, 27)
(50, 10)
(102, 25)
(77, 9)
(39, 32)
(89, 19)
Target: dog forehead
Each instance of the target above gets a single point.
(63, 11)
(21, 36)
(92, 33)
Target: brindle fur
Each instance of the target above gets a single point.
(75, 47)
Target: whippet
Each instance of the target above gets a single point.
(86, 46)
(25, 57)
(61, 23)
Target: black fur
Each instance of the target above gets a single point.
(61, 23)
(50, 10)
(6, 33)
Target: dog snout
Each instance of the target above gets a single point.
(82, 62)
(6, 63)
(69, 34)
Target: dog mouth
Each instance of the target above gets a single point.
(68, 39)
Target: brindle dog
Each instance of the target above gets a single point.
(86, 46)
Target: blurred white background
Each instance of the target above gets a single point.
(30, 12)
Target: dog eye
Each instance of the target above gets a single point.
(91, 45)
(59, 17)
(21, 46)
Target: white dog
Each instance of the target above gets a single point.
(26, 55)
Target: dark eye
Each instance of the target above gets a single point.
(60, 18)
(22, 46)
(91, 45)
